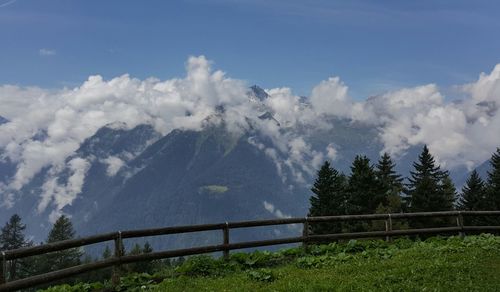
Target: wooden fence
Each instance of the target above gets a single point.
(306, 238)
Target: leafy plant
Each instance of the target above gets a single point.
(202, 265)
(262, 275)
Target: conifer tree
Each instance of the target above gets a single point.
(322, 189)
(134, 267)
(62, 230)
(104, 274)
(429, 189)
(12, 237)
(328, 198)
(136, 249)
(147, 266)
(493, 187)
(363, 188)
(473, 196)
(390, 184)
(147, 248)
(449, 192)
(106, 254)
(144, 266)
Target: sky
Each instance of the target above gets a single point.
(419, 72)
(376, 46)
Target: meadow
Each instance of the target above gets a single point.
(435, 264)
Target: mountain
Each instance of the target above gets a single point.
(126, 178)
(189, 177)
(258, 93)
(483, 169)
(7, 167)
(110, 147)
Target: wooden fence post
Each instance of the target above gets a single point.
(388, 227)
(115, 278)
(460, 223)
(225, 233)
(305, 234)
(3, 269)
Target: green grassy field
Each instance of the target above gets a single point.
(437, 264)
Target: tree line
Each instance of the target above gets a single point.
(380, 189)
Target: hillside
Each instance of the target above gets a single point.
(437, 264)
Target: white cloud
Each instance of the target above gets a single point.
(269, 207)
(114, 165)
(5, 4)
(330, 97)
(7, 198)
(463, 133)
(63, 195)
(457, 133)
(274, 211)
(486, 88)
(331, 152)
(46, 52)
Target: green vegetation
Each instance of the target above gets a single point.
(436, 264)
(493, 184)
(62, 230)
(380, 189)
(473, 194)
(12, 237)
(429, 186)
(329, 197)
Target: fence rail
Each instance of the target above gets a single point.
(226, 246)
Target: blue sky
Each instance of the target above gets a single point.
(374, 46)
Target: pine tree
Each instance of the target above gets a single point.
(363, 188)
(322, 190)
(429, 189)
(363, 193)
(62, 230)
(473, 197)
(493, 187)
(144, 266)
(134, 267)
(390, 184)
(449, 192)
(147, 248)
(12, 237)
(328, 198)
(147, 266)
(136, 249)
(104, 274)
(106, 254)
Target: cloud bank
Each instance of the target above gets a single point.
(47, 126)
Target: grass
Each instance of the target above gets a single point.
(437, 264)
